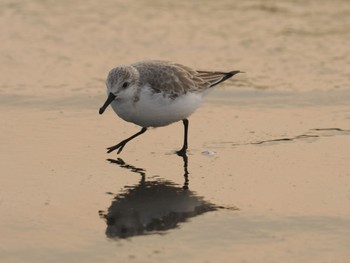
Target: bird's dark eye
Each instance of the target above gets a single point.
(125, 85)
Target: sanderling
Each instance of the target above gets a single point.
(157, 93)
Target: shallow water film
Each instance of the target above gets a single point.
(267, 174)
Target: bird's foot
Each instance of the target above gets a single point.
(181, 152)
(119, 146)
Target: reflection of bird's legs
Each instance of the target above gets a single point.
(132, 168)
(142, 172)
(186, 173)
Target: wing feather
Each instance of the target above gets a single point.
(176, 79)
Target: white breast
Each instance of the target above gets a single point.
(155, 109)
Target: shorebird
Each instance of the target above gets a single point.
(156, 93)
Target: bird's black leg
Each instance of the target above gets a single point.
(121, 145)
(182, 152)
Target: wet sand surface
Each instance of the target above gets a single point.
(267, 175)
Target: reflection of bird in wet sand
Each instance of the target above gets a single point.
(151, 206)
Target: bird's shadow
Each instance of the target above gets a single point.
(152, 206)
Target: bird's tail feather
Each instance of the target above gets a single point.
(215, 77)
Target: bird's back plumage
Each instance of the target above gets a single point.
(175, 79)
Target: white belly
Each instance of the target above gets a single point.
(155, 110)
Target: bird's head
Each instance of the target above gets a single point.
(121, 84)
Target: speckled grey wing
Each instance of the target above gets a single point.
(172, 79)
(175, 79)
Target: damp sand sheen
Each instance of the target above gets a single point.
(266, 178)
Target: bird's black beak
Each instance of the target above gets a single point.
(109, 100)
